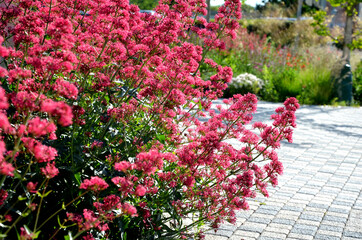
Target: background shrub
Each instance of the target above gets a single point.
(357, 83)
(284, 32)
(243, 84)
(307, 72)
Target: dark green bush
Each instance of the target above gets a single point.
(357, 83)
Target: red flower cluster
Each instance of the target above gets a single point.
(94, 184)
(99, 92)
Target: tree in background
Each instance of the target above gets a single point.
(351, 38)
(286, 3)
(287, 7)
(348, 41)
(145, 4)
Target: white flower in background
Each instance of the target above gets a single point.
(246, 80)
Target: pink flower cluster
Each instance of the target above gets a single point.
(99, 92)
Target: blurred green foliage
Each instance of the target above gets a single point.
(145, 4)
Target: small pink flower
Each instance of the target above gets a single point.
(8, 218)
(122, 166)
(6, 168)
(3, 99)
(25, 234)
(124, 184)
(58, 109)
(3, 196)
(32, 206)
(95, 184)
(31, 187)
(88, 237)
(66, 89)
(41, 152)
(189, 181)
(4, 52)
(140, 190)
(50, 170)
(130, 210)
(3, 72)
(5, 124)
(40, 127)
(90, 219)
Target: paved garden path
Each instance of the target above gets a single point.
(319, 196)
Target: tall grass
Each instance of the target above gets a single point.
(318, 78)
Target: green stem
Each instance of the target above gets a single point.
(15, 222)
(46, 27)
(55, 213)
(39, 207)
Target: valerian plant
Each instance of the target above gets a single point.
(99, 122)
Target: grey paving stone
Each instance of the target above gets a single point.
(270, 207)
(284, 194)
(283, 221)
(243, 214)
(338, 210)
(279, 230)
(330, 190)
(314, 210)
(309, 191)
(266, 211)
(335, 184)
(334, 219)
(318, 205)
(304, 229)
(242, 234)
(311, 217)
(331, 228)
(228, 227)
(270, 238)
(215, 237)
(253, 227)
(331, 223)
(259, 220)
(293, 208)
(351, 188)
(326, 237)
(220, 232)
(357, 235)
(348, 196)
(299, 236)
(241, 238)
(343, 203)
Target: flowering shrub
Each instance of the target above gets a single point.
(100, 137)
(245, 83)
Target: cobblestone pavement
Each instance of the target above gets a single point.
(319, 196)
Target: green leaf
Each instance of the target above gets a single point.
(46, 194)
(200, 105)
(20, 198)
(36, 235)
(69, 236)
(161, 138)
(3, 235)
(25, 214)
(17, 175)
